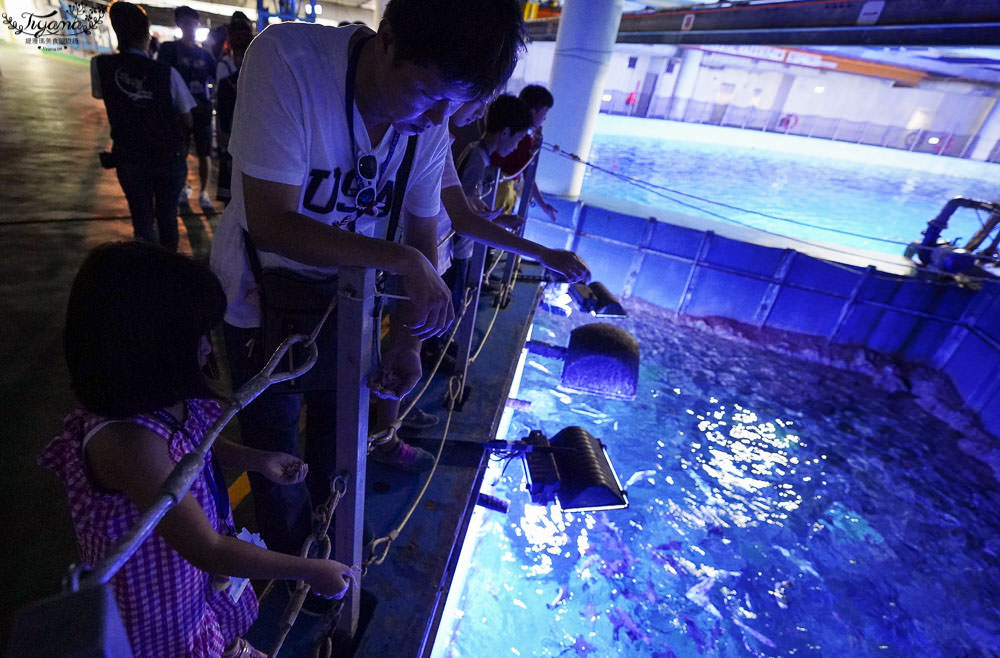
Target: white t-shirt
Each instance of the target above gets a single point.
(290, 127)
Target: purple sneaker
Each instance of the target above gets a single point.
(404, 457)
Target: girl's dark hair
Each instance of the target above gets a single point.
(474, 43)
(134, 322)
(507, 111)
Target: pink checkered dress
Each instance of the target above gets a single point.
(169, 607)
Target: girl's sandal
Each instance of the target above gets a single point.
(242, 649)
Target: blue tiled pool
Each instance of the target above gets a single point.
(778, 508)
(883, 193)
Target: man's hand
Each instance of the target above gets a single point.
(430, 310)
(509, 222)
(567, 264)
(397, 374)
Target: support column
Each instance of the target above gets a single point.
(356, 298)
(987, 135)
(587, 33)
(378, 8)
(686, 79)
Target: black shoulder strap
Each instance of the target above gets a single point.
(399, 189)
(254, 262)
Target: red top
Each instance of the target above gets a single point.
(519, 157)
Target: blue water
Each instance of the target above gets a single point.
(888, 202)
(778, 508)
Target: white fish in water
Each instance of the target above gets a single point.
(757, 634)
(538, 366)
(699, 594)
(562, 397)
(804, 565)
(639, 476)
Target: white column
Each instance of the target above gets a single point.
(587, 33)
(987, 135)
(686, 79)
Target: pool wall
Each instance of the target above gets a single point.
(703, 268)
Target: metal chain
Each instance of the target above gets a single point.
(322, 516)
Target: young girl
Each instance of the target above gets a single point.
(136, 342)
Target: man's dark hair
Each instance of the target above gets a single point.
(185, 12)
(536, 97)
(130, 23)
(134, 323)
(475, 43)
(507, 111)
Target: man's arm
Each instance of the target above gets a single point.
(471, 225)
(421, 234)
(275, 225)
(182, 99)
(95, 79)
(400, 368)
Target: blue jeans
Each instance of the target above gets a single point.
(271, 422)
(152, 194)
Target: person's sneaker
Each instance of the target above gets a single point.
(404, 457)
(205, 202)
(419, 419)
(185, 193)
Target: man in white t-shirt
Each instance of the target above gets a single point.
(295, 183)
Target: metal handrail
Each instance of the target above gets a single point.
(178, 483)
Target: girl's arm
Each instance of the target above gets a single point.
(134, 460)
(278, 467)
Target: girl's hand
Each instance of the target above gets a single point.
(282, 468)
(331, 578)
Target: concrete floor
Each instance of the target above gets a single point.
(55, 204)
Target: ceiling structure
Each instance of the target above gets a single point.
(951, 38)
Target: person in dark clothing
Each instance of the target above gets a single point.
(226, 76)
(149, 109)
(197, 66)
